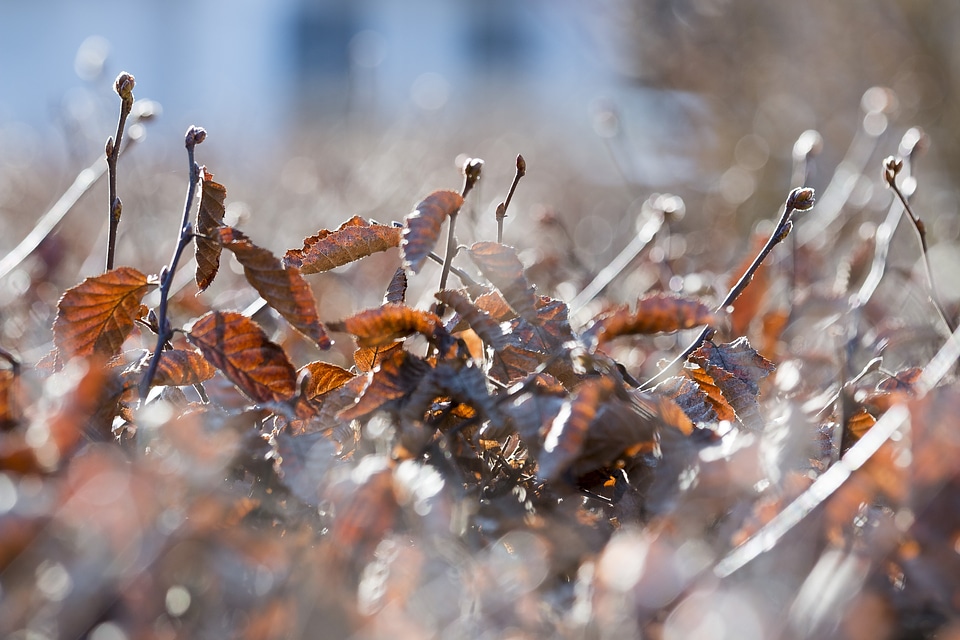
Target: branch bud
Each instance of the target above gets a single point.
(801, 199)
(471, 174)
(521, 166)
(892, 166)
(124, 85)
(501, 211)
(108, 148)
(195, 135)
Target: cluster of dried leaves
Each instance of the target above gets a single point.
(485, 467)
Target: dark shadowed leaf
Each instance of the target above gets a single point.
(354, 239)
(568, 432)
(366, 507)
(460, 381)
(395, 379)
(324, 377)
(381, 326)
(421, 228)
(209, 218)
(284, 289)
(665, 409)
(484, 326)
(736, 368)
(691, 399)
(181, 367)
(501, 266)
(238, 347)
(654, 314)
(9, 406)
(397, 289)
(95, 317)
(618, 429)
(513, 363)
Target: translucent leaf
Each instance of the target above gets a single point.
(395, 379)
(421, 228)
(97, 315)
(736, 369)
(501, 266)
(209, 218)
(381, 326)
(354, 239)
(484, 326)
(284, 289)
(368, 359)
(239, 348)
(324, 377)
(654, 314)
(182, 367)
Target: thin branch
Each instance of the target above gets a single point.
(83, 182)
(124, 87)
(800, 199)
(892, 167)
(503, 206)
(195, 135)
(471, 175)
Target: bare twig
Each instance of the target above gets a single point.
(891, 168)
(145, 110)
(195, 135)
(471, 175)
(503, 206)
(800, 199)
(124, 87)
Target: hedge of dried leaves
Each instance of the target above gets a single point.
(487, 467)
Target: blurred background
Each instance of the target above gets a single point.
(318, 110)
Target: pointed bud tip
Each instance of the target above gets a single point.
(801, 199)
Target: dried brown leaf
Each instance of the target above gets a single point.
(381, 326)
(421, 228)
(324, 377)
(395, 379)
(501, 266)
(368, 359)
(568, 432)
(354, 239)
(736, 368)
(284, 289)
(209, 218)
(97, 315)
(239, 348)
(397, 289)
(478, 320)
(655, 313)
(182, 367)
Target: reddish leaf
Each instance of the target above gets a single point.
(354, 239)
(368, 359)
(493, 304)
(209, 218)
(238, 347)
(478, 320)
(692, 399)
(324, 377)
(501, 266)
(668, 411)
(381, 326)
(736, 369)
(902, 382)
(513, 363)
(284, 289)
(568, 432)
(751, 301)
(421, 228)
(9, 407)
(711, 394)
(95, 317)
(654, 314)
(182, 367)
(395, 379)
(397, 289)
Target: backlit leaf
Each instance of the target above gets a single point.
(9, 408)
(284, 289)
(354, 239)
(368, 358)
(395, 379)
(711, 394)
(324, 377)
(239, 348)
(209, 218)
(484, 326)
(95, 317)
(381, 326)
(501, 266)
(654, 314)
(568, 432)
(692, 399)
(182, 367)
(397, 289)
(421, 228)
(736, 368)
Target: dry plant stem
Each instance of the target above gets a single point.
(800, 199)
(124, 87)
(503, 206)
(922, 238)
(195, 135)
(471, 175)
